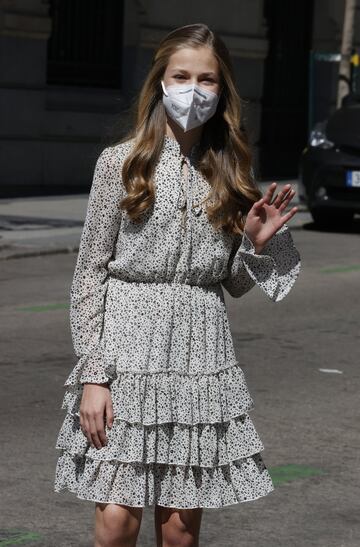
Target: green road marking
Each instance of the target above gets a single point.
(291, 472)
(45, 307)
(16, 537)
(351, 268)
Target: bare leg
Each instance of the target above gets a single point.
(177, 527)
(116, 525)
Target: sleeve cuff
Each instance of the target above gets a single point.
(91, 368)
(277, 266)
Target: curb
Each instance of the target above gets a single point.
(37, 252)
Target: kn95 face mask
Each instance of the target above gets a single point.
(189, 105)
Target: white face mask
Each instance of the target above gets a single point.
(189, 105)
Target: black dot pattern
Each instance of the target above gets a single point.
(148, 316)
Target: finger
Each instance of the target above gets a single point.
(93, 432)
(289, 215)
(99, 420)
(258, 203)
(281, 195)
(82, 425)
(287, 200)
(269, 192)
(86, 430)
(109, 414)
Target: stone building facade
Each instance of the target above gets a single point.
(68, 76)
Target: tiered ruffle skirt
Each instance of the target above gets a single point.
(182, 435)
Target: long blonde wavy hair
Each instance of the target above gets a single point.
(226, 157)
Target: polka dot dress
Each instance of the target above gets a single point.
(148, 316)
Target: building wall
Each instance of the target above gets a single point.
(50, 135)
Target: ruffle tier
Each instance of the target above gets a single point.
(204, 445)
(140, 485)
(170, 396)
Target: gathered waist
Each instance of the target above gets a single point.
(172, 284)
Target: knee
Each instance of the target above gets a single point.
(117, 526)
(175, 537)
(180, 531)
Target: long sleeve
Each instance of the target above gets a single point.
(90, 279)
(274, 269)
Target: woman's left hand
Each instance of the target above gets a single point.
(264, 218)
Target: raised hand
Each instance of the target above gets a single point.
(264, 218)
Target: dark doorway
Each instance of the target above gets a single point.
(285, 93)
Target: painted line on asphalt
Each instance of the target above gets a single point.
(45, 307)
(286, 473)
(331, 370)
(336, 269)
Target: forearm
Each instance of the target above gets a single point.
(90, 280)
(274, 267)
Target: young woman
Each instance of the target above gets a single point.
(157, 405)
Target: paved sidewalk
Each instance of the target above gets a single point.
(33, 226)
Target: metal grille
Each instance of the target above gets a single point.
(85, 46)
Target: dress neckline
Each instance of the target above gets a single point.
(173, 144)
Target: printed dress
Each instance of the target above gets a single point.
(148, 316)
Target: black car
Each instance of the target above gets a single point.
(329, 169)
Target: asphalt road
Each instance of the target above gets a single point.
(308, 419)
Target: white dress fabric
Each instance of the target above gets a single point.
(148, 316)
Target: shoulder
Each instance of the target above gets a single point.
(113, 154)
(107, 176)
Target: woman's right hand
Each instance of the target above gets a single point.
(96, 409)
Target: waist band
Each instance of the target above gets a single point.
(213, 287)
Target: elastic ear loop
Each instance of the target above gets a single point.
(164, 89)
